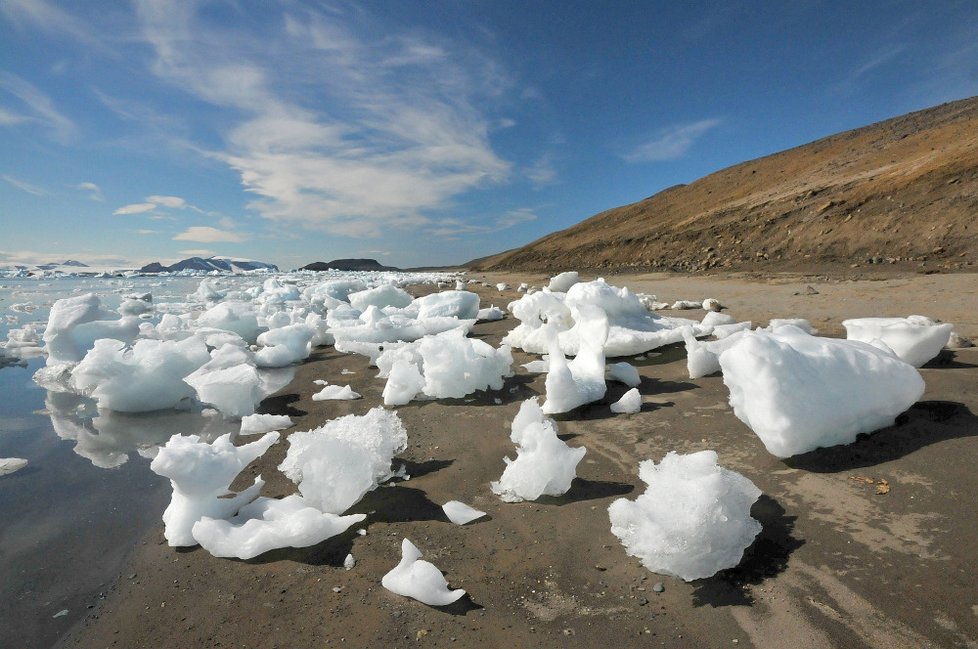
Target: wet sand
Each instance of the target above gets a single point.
(836, 565)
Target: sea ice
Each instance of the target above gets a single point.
(336, 464)
(799, 392)
(336, 393)
(460, 513)
(404, 382)
(237, 317)
(562, 282)
(630, 402)
(9, 465)
(693, 519)
(148, 376)
(572, 384)
(419, 579)
(624, 372)
(916, 339)
(463, 305)
(801, 323)
(229, 381)
(284, 346)
(75, 323)
(267, 524)
(259, 424)
(201, 475)
(380, 296)
(544, 464)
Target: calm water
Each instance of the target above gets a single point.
(70, 518)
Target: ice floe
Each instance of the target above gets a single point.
(419, 579)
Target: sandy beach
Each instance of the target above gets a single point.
(836, 565)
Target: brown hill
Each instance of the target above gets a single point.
(902, 193)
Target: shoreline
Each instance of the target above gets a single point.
(551, 570)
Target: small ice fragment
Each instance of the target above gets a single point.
(349, 562)
(460, 513)
(258, 424)
(336, 393)
(419, 579)
(9, 465)
(711, 304)
(624, 373)
(630, 402)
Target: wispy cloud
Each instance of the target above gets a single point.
(94, 191)
(671, 143)
(135, 208)
(207, 234)
(404, 134)
(542, 172)
(39, 108)
(44, 16)
(23, 186)
(146, 232)
(198, 252)
(452, 228)
(173, 202)
(34, 257)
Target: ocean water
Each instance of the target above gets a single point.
(70, 518)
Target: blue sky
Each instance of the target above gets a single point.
(419, 132)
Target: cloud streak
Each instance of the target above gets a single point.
(348, 134)
(23, 186)
(40, 108)
(671, 143)
(207, 234)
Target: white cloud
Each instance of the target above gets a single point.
(33, 258)
(198, 252)
(146, 232)
(23, 186)
(207, 234)
(93, 190)
(452, 228)
(46, 17)
(406, 130)
(542, 172)
(671, 143)
(173, 202)
(40, 108)
(135, 208)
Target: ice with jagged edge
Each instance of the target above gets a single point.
(201, 476)
(260, 424)
(916, 339)
(580, 381)
(229, 381)
(268, 524)
(450, 364)
(693, 519)
(419, 579)
(800, 392)
(336, 464)
(544, 464)
(632, 328)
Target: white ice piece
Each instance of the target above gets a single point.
(419, 579)
(237, 317)
(9, 465)
(336, 464)
(285, 345)
(801, 323)
(229, 381)
(260, 424)
(463, 305)
(490, 314)
(624, 372)
(268, 524)
(916, 339)
(201, 475)
(380, 297)
(693, 519)
(148, 376)
(75, 323)
(460, 513)
(562, 282)
(544, 464)
(799, 392)
(336, 393)
(630, 402)
(572, 384)
(404, 382)
(703, 357)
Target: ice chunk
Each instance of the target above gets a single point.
(237, 317)
(562, 282)
(693, 519)
(149, 376)
(630, 402)
(544, 464)
(714, 318)
(491, 314)
(336, 393)
(285, 345)
(801, 323)
(9, 465)
(463, 305)
(337, 463)
(75, 323)
(799, 392)
(624, 373)
(419, 579)
(703, 358)
(460, 513)
(201, 475)
(454, 366)
(916, 339)
(380, 296)
(711, 304)
(267, 524)
(259, 424)
(502, 286)
(229, 381)
(404, 382)
(580, 381)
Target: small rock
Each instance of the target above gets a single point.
(958, 341)
(658, 587)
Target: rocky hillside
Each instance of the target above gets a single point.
(902, 193)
